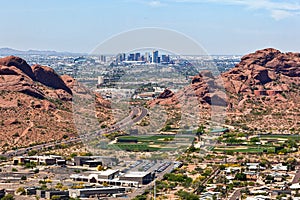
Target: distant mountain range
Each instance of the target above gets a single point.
(10, 51)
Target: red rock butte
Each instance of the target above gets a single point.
(20, 77)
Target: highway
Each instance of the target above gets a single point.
(136, 114)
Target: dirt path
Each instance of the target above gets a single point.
(57, 116)
(24, 133)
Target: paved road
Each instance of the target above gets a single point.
(204, 182)
(297, 176)
(216, 172)
(135, 115)
(236, 194)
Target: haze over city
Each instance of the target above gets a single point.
(221, 27)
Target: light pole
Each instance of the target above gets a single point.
(154, 190)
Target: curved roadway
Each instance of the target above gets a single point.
(135, 115)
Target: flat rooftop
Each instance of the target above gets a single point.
(106, 172)
(97, 189)
(136, 174)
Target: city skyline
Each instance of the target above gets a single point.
(222, 27)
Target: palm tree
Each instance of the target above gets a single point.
(200, 131)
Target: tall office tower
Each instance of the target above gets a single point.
(102, 58)
(100, 80)
(165, 58)
(147, 57)
(137, 56)
(131, 57)
(123, 56)
(155, 57)
(120, 57)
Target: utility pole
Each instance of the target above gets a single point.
(225, 157)
(154, 190)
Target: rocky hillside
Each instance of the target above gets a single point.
(262, 92)
(35, 104)
(267, 69)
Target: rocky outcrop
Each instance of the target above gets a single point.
(165, 94)
(266, 71)
(203, 88)
(13, 79)
(18, 76)
(268, 68)
(34, 103)
(260, 57)
(101, 102)
(287, 64)
(68, 80)
(262, 93)
(12, 61)
(48, 77)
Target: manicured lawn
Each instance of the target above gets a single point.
(150, 143)
(274, 136)
(138, 147)
(249, 149)
(147, 138)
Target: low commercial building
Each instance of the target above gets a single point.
(94, 192)
(18, 160)
(41, 193)
(2, 193)
(258, 197)
(295, 188)
(251, 175)
(49, 194)
(81, 160)
(210, 195)
(94, 178)
(94, 161)
(281, 192)
(60, 194)
(108, 174)
(140, 177)
(30, 190)
(254, 166)
(46, 160)
(279, 167)
(42, 160)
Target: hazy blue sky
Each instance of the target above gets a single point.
(221, 27)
